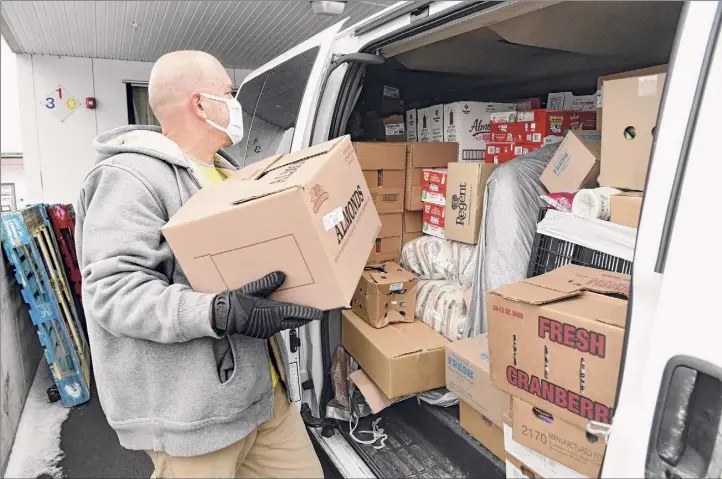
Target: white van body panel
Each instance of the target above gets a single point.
(675, 312)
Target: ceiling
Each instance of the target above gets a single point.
(565, 38)
(241, 34)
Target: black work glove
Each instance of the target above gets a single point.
(249, 312)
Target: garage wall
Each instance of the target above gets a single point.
(57, 154)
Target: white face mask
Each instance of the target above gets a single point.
(234, 130)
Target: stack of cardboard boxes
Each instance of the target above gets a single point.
(618, 155)
(394, 173)
(384, 169)
(517, 133)
(433, 196)
(548, 366)
(425, 182)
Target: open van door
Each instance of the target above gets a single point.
(277, 100)
(668, 421)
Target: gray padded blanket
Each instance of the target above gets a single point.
(511, 207)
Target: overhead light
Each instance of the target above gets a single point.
(328, 7)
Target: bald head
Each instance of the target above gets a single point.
(177, 75)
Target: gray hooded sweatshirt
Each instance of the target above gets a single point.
(155, 355)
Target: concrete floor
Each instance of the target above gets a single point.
(92, 449)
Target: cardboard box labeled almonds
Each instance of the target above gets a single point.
(625, 209)
(468, 124)
(468, 376)
(465, 187)
(556, 342)
(480, 428)
(312, 218)
(385, 294)
(575, 164)
(401, 359)
(557, 439)
(630, 119)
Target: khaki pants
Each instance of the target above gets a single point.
(278, 448)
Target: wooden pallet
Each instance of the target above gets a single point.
(62, 219)
(31, 247)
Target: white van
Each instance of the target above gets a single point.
(667, 420)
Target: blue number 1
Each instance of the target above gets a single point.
(50, 103)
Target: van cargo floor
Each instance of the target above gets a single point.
(424, 442)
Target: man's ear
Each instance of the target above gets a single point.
(195, 103)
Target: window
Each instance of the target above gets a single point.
(271, 102)
(7, 197)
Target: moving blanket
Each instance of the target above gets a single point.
(511, 207)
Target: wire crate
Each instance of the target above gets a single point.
(31, 247)
(549, 253)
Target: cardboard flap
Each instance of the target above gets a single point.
(255, 170)
(375, 398)
(565, 282)
(251, 190)
(389, 273)
(524, 292)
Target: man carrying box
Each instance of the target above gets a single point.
(180, 374)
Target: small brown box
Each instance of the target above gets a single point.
(385, 294)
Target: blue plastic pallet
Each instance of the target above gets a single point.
(30, 245)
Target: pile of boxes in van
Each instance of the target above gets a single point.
(616, 157)
(335, 217)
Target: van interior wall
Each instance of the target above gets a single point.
(528, 56)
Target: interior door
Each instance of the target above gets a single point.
(277, 99)
(668, 419)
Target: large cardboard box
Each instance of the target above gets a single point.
(468, 124)
(556, 343)
(431, 124)
(384, 166)
(630, 119)
(537, 464)
(480, 428)
(412, 133)
(465, 186)
(401, 359)
(385, 294)
(468, 376)
(615, 76)
(312, 218)
(557, 439)
(575, 164)
(625, 209)
(420, 156)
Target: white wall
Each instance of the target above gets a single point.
(57, 155)
(15, 174)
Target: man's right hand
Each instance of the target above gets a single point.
(249, 312)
